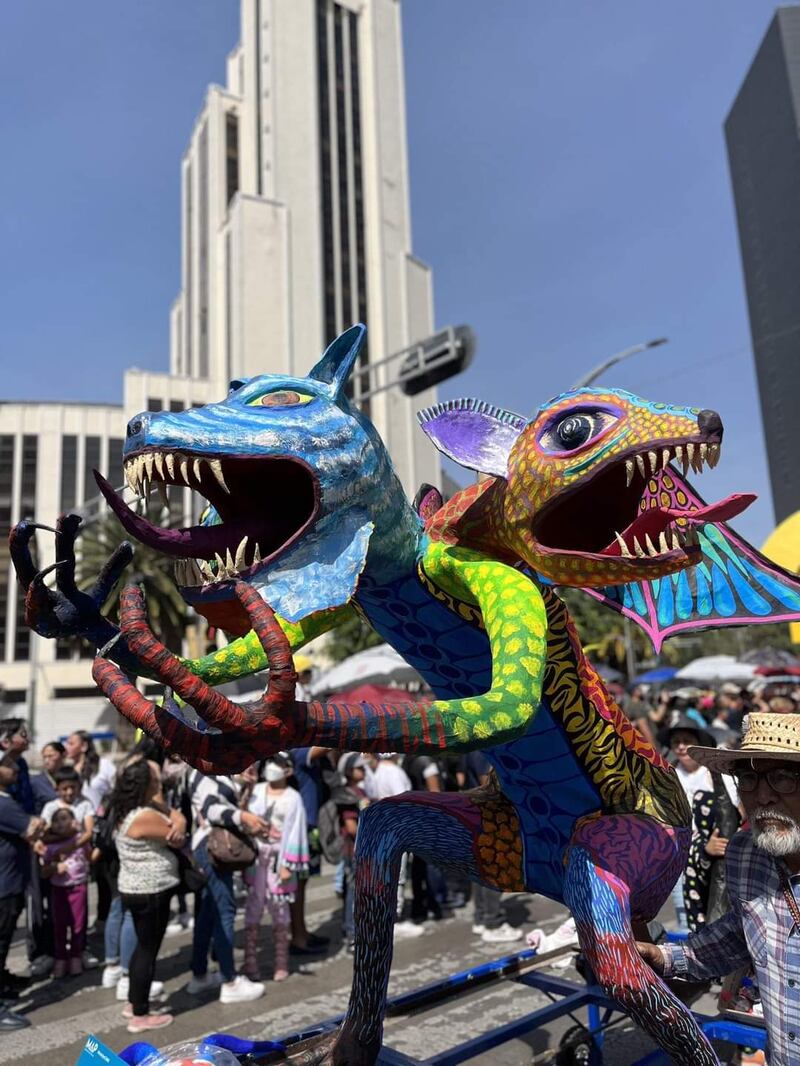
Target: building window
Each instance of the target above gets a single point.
(115, 471)
(154, 404)
(202, 266)
(176, 406)
(69, 472)
(91, 462)
(231, 155)
(6, 500)
(27, 506)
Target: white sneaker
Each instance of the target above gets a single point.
(240, 990)
(504, 934)
(478, 930)
(206, 983)
(182, 923)
(124, 987)
(111, 975)
(408, 930)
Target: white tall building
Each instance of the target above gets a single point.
(295, 224)
(295, 210)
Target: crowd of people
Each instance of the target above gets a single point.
(169, 850)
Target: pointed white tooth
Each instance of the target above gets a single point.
(628, 472)
(690, 454)
(639, 549)
(145, 489)
(184, 465)
(662, 543)
(206, 573)
(676, 540)
(640, 464)
(651, 548)
(149, 463)
(240, 563)
(216, 469)
(198, 476)
(257, 554)
(220, 566)
(623, 546)
(679, 453)
(229, 562)
(169, 459)
(197, 573)
(158, 459)
(665, 459)
(162, 494)
(653, 457)
(703, 453)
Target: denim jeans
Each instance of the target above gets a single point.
(348, 924)
(119, 935)
(214, 918)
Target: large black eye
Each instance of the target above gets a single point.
(574, 431)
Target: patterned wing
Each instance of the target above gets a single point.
(733, 584)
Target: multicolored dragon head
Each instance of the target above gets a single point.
(300, 489)
(583, 493)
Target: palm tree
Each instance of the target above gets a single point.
(153, 571)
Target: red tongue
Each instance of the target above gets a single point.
(655, 520)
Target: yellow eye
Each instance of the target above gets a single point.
(281, 398)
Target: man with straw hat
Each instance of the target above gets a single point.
(763, 879)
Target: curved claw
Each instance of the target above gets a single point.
(111, 573)
(241, 732)
(19, 539)
(67, 528)
(38, 595)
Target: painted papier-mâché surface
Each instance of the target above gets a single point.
(305, 514)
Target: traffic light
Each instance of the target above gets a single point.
(437, 358)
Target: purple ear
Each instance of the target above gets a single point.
(473, 433)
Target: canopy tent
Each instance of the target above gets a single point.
(657, 676)
(378, 666)
(716, 668)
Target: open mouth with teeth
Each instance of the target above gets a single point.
(608, 516)
(246, 537)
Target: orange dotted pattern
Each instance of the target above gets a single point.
(499, 843)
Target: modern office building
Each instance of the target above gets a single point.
(763, 138)
(295, 224)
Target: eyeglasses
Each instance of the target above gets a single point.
(784, 782)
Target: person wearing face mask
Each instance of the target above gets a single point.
(282, 855)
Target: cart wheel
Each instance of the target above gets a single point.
(575, 1047)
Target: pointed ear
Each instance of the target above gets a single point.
(335, 365)
(473, 433)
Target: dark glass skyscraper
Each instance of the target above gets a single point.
(763, 137)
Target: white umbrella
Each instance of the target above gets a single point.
(716, 668)
(381, 665)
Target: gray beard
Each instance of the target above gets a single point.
(778, 842)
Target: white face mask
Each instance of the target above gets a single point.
(275, 773)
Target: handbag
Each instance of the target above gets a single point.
(192, 877)
(230, 849)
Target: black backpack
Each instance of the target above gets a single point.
(330, 831)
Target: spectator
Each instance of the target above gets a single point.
(281, 857)
(14, 739)
(39, 921)
(732, 706)
(762, 864)
(147, 834)
(65, 863)
(428, 884)
(489, 920)
(309, 765)
(639, 710)
(389, 778)
(96, 774)
(215, 803)
(68, 797)
(18, 829)
(44, 784)
(350, 798)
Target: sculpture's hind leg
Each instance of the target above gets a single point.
(460, 833)
(619, 867)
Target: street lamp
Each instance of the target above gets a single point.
(626, 353)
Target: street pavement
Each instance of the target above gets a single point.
(63, 1012)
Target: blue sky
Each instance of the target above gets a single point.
(569, 188)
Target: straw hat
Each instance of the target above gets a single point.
(766, 736)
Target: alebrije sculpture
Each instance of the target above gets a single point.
(307, 516)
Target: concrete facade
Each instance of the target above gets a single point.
(763, 139)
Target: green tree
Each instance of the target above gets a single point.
(165, 605)
(352, 636)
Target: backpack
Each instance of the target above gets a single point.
(330, 833)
